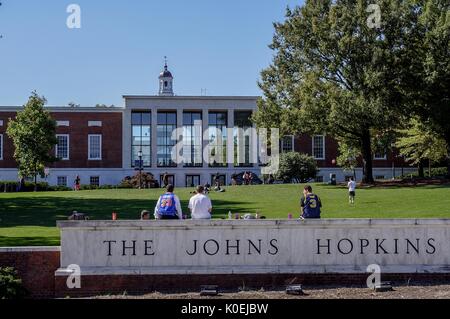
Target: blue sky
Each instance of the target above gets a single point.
(220, 46)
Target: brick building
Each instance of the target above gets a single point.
(104, 145)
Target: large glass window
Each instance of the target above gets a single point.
(217, 132)
(192, 139)
(141, 138)
(167, 123)
(62, 148)
(242, 138)
(318, 147)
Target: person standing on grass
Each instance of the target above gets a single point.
(310, 204)
(351, 190)
(200, 205)
(77, 183)
(168, 206)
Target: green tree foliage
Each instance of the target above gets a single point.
(426, 80)
(10, 284)
(333, 73)
(295, 165)
(33, 134)
(419, 143)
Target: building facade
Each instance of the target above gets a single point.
(190, 139)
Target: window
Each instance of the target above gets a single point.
(192, 139)
(62, 148)
(62, 181)
(167, 124)
(141, 137)
(242, 132)
(380, 155)
(379, 177)
(192, 180)
(94, 181)
(318, 147)
(95, 147)
(1, 146)
(287, 144)
(217, 133)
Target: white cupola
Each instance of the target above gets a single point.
(166, 82)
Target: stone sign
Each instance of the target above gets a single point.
(256, 246)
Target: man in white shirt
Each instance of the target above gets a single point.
(200, 205)
(351, 190)
(168, 206)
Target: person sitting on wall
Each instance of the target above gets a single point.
(200, 205)
(168, 206)
(145, 215)
(310, 204)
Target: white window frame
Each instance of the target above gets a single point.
(1, 147)
(94, 176)
(323, 147)
(384, 158)
(292, 141)
(57, 180)
(68, 148)
(89, 147)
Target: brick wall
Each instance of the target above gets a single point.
(132, 284)
(36, 267)
(111, 131)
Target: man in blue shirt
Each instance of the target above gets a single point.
(310, 204)
(168, 206)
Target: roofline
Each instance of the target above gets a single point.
(190, 97)
(67, 108)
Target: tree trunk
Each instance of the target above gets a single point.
(421, 171)
(366, 151)
(35, 178)
(447, 140)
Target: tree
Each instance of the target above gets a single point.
(296, 166)
(418, 143)
(426, 80)
(33, 132)
(332, 73)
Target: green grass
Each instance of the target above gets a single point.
(29, 219)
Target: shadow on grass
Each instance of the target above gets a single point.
(45, 211)
(29, 241)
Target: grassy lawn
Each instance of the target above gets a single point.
(28, 219)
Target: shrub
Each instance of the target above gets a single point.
(147, 180)
(298, 166)
(435, 172)
(10, 284)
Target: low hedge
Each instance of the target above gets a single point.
(10, 284)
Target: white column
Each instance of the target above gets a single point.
(154, 139)
(179, 138)
(205, 124)
(230, 138)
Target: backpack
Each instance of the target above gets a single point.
(167, 205)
